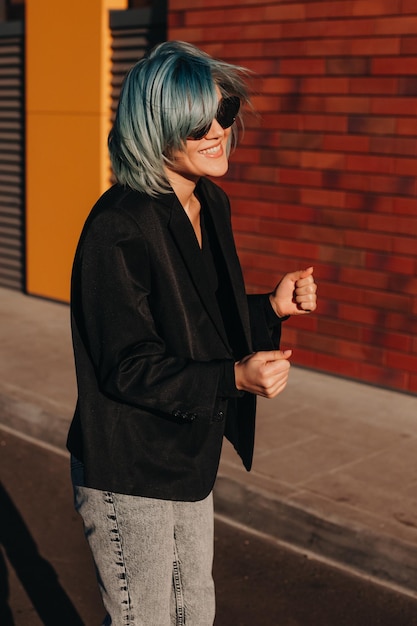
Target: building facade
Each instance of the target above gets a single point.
(325, 174)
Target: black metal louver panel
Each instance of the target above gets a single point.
(134, 33)
(11, 156)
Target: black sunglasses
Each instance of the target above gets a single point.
(226, 114)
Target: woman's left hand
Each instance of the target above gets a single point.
(295, 294)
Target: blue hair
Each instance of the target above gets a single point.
(164, 97)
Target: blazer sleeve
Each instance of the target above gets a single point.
(112, 317)
(265, 324)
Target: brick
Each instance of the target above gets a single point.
(341, 256)
(225, 15)
(299, 249)
(370, 163)
(393, 106)
(319, 122)
(278, 85)
(396, 24)
(322, 160)
(304, 325)
(380, 337)
(389, 263)
(343, 219)
(348, 66)
(375, 46)
(339, 329)
(403, 284)
(315, 10)
(287, 158)
(388, 301)
(395, 65)
(320, 28)
(247, 155)
(383, 377)
(405, 167)
(401, 361)
(412, 384)
(408, 6)
(346, 143)
(393, 224)
(371, 125)
(371, 85)
(394, 145)
(281, 48)
(313, 232)
(301, 140)
(338, 179)
(360, 352)
(368, 240)
(257, 137)
(359, 314)
(304, 357)
(342, 293)
(296, 213)
(283, 12)
(244, 223)
(369, 201)
(254, 207)
(324, 47)
(302, 103)
(326, 85)
(376, 7)
(407, 126)
(323, 197)
(407, 86)
(363, 278)
(303, 67)
(404, 206)
(408, 45)
(292, 176)
(279, 231)
(344, 367)
(264, 66)
(348, 104)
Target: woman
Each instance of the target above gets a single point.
(170, 352)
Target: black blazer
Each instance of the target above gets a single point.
(151, 350)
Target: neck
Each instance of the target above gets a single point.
(183, 187)
(184, 190)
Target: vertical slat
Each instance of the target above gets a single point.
(134, 33)
(12, 272)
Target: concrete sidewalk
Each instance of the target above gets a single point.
(335, 469)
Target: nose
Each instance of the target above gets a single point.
(215, 131)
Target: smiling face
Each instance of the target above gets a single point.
(207, 156)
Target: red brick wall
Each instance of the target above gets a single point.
(327, 176)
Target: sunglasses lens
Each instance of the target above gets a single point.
(226, 114)
(227, 111)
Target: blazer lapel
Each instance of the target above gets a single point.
(184, 236)
(219, 215)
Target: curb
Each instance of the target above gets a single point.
(386, 560)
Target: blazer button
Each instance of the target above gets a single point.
(219, 417)
(176, 413)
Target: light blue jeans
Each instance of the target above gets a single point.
(153, 558)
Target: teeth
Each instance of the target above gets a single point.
(210, 150)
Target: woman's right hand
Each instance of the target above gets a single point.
(263, 373)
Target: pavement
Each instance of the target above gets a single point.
(335, 468)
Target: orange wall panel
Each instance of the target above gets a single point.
(67, 121)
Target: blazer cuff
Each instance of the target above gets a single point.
(227, 384)
(271, 317)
